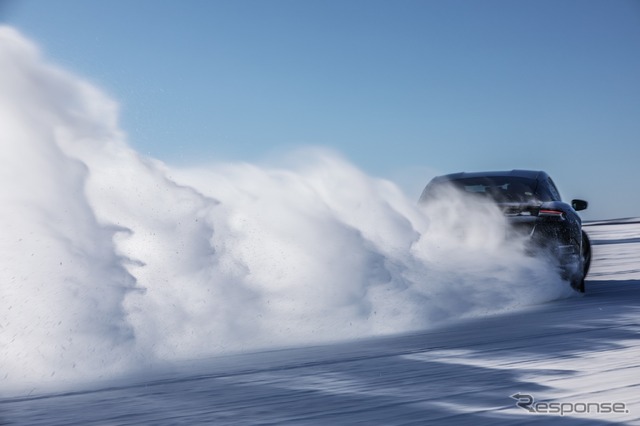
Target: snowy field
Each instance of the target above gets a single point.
(579, 353)
(300, 291)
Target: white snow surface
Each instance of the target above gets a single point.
(302, 292)
(571, 352)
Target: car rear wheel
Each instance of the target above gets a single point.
(586, 253)
(578, 283)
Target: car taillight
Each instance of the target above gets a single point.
(551, 213)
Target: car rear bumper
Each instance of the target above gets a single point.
(552, 239)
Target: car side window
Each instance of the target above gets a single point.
(555, 194)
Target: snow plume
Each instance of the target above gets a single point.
(111, 262)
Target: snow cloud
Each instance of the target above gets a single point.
(112, 262)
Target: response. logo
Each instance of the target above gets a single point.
(527, 402)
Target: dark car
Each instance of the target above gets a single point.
(532, 205)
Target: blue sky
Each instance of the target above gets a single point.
(403, 89)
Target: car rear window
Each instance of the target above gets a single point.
(500, 189)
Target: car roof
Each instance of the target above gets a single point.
(529, 174)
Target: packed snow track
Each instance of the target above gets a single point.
(578, 355)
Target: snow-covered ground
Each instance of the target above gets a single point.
(299, 292)
(578, 353)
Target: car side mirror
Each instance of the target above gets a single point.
(579, 205)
